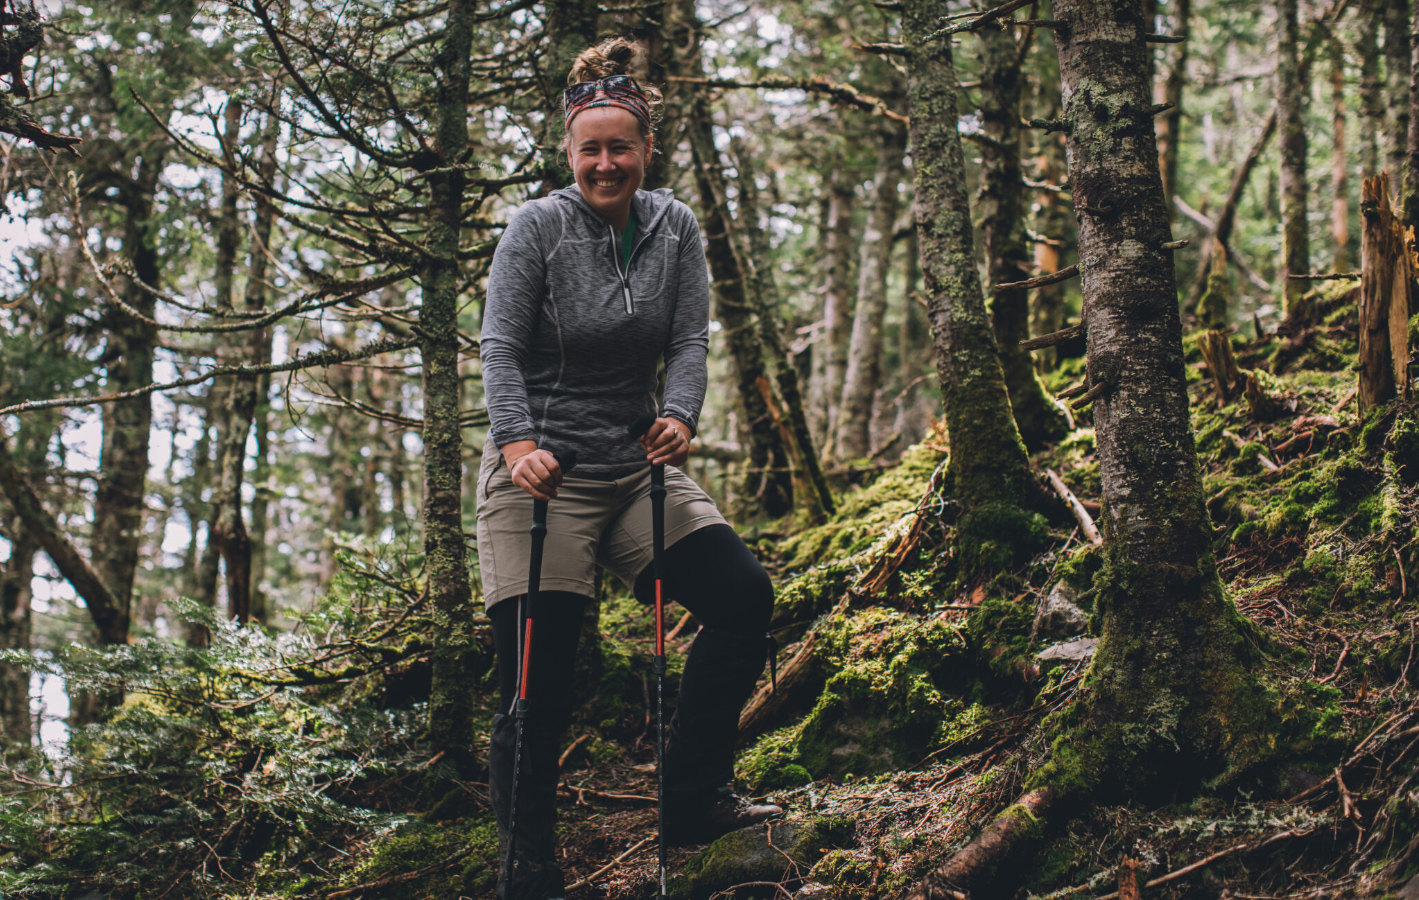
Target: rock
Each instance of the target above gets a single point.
(1059, 615)
(813, 891)
(1083, 648)
(1410, 891)
(760, 853)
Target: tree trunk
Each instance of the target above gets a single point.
(1001, 204)
(1339, 182)
(451, 725)
(1170, 640)
(123, 460)
(1055, 222)
(830, 352)
(988, 463)
(769, 482)
(1386, 296)
(1411, 169)
(1372, 108)
(229, 527)
(15, 626)
(864, 356)
(570, 29)
(260, 603)
(809, 482)
(1291, 103)
(1169, 124)
(1397, 76)
(1222, 234)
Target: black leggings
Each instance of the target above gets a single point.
(710, 572)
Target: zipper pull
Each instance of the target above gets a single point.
(626, 288)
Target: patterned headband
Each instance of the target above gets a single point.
(616, 90)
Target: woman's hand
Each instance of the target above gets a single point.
(667, 442)
(535, 471)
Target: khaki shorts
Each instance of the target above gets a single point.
(590, 523)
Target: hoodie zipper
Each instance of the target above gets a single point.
(626, 275)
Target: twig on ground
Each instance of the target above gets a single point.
(1086, 522)
(606, 868)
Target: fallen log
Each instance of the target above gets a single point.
(976, 863)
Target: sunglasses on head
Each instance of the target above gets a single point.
(615, 85)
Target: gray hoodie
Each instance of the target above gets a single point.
(571, 341)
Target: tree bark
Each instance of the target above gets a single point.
(451, 708)
(1339, 181)
(15, 627)
(1002, 211)
(1291, 103)
(1386, 296)
(864, 355)
(123, 459)
(229, 527)
(988, 464)
(1222, 233)
(1398, 62)
(810, 483)
(570, 28)
(108, 611)
(1411, 169)
(830, 355)
(1169, 124)
(769, 482)
(1170, 639)
(1372, 108)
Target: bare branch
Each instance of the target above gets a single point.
(309, 361)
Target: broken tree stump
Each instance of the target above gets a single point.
(1227, 377)
(1386, 294)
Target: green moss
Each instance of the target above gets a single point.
(880, 708)
(863, 514)
(416, 845)
(759, 855)
(812, 593)
(772, 762)
(998, 537)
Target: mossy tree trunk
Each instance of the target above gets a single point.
(570, 28)
(988, 463)
(1291, 92)
(451, 725)
(1001, 204)
(863, 374)
(1169, 698)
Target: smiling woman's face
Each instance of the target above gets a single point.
(608, 157)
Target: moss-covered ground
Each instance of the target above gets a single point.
(922, 705)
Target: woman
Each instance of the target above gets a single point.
(590, 289)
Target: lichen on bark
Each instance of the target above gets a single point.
(1171, 696)
(988, 463)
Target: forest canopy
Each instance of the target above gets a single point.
(1058, 374)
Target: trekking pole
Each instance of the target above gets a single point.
(526, 616)
(657, 530)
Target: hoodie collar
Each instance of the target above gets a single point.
(649, 206)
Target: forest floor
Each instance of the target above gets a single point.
(1316, 519)
(914, 697)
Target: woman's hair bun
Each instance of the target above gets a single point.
(614, 56)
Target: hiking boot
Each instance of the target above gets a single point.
(701, 819)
